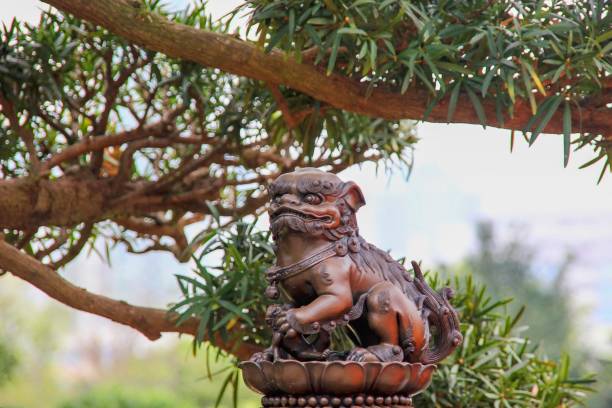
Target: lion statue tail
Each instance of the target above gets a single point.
(437, 312)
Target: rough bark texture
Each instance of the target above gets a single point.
(149, 321)
(26, 203)
(127, 19)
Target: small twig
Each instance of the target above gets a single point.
(282, 104)
(75, 249)
(24, 132)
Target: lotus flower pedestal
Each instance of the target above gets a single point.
(290, 383)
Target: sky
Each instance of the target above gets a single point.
(462, 174)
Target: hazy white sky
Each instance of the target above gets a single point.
(462, 174)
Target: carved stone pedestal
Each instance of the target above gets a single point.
(326, 401)
(342, 384)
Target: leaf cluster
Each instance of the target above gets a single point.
(553, 55)
(495, 365)
(8, 362)
(228, 297)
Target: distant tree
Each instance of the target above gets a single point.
(507, 269)
(602, 398)
(8, 362)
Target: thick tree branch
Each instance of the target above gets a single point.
(149, 321)
(68, 201)
(127, 18)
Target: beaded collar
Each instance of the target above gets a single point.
(276, 274)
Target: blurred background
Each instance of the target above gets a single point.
(518, 221)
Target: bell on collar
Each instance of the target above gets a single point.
(272, 292)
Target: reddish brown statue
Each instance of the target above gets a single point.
(331, 277)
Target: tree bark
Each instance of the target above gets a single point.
(28, 203)
(128, 19)
(150, 322)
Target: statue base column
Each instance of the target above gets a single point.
(329, 401)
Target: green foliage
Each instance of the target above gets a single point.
(540, 52)
(495, 365)
(115, 397)
(8, 362)
(507, 269)
(603, 396)
(229, 297)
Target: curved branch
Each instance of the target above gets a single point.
(150, 322)
(127, 18)
(91, 144)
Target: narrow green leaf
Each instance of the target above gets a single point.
(428, 110)
(235, 388)
(452, 103)
(534, 75)
(511, 91)
(334, 54)
(291, 26)
(352, 30)
(528, 90)
(567, 129)
(235, 309)
(276, 38)
(454, 67)
(373, 54)
(223, 388)
(603, 172)
(487, 81)
(592, 161)
(477, 107)
(548, 114)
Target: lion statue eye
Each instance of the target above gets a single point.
(312, 199)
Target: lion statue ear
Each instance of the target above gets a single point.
(353, 195)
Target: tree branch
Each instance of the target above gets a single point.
(99, 143)
(150, 322)
(128, 19)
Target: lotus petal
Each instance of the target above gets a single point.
(291, 377)
(267, 368)
(255, 379)
(342, 378)
(391, 379)
(423, 374)
(372, 370)
(315, 373)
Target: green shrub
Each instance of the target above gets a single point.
(115, 397)
(495, 366)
